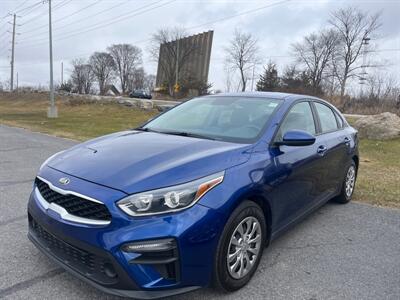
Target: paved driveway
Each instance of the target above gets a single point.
(339, 252)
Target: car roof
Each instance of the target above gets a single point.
(274, 95)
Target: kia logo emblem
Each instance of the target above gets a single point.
(64, 180)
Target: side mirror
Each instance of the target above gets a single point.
(297, 138)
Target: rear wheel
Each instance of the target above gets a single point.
(240, 247)
(348, 184)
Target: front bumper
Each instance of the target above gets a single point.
(94, 254)
(114, 287)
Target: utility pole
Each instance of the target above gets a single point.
(363, 74)
(176, 86)
(12, 55)
(252, 78)
(52, 110)
(62, 73)
(177, 62)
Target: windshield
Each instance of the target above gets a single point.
(233, 119)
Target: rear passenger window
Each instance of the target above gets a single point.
(300, 117)
(326, 117)
(339, 119)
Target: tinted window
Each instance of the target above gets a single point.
(326, 117)
(235, 119)
(300, 117)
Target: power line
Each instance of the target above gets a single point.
(101, 24)
(384, 50)
(61, 4)
(65, 17)
(121, 18)
(239, 14)
(21, 4)
(196, 26)
(29, 7)
(44, 12)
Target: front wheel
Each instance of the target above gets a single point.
(348, 184)
(240, 247)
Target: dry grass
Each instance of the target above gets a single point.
(378, 179)
(365, 106)
(379, 174)
(77, 120)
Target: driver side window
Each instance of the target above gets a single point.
(300, 117)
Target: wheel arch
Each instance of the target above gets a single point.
(264, 204)
(355, 158)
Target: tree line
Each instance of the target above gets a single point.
(121, 63)
(325, 62)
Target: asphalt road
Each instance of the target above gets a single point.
(339, 252)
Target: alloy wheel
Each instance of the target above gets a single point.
(350, 181)
(244, 247)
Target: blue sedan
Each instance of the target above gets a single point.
(192, 197)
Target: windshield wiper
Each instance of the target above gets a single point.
(147, 129)
(189, 134)
(180, 133)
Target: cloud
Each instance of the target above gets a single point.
(276, 28)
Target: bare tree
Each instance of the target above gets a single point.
(381, 86)
(136, 79)
(82, 76)
(175, 57)
(127, 58)
(102, 65)
(77, 75)
(315, 53)
(228, 78)
(352, 27)
(242, 54)
(149, 82)
(140, 80)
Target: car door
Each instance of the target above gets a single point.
(295, 174)
(333, 146)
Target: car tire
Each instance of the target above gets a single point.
(248, 216)
(348, 184)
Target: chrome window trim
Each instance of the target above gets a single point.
(67, 192)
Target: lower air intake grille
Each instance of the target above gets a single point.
(95, 267)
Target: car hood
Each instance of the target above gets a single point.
(135, 161)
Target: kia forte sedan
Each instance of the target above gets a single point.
(193, 197)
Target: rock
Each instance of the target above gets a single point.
(378, 127)
(146, 105)
(162, 108)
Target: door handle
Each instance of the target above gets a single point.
(347, 141)
(321, 150)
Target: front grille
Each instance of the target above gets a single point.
(76, 206)
(89, 264)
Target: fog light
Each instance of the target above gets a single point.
(148, 246)
(109, 270)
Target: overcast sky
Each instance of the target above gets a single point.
(78, 30)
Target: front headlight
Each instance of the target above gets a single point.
(171, 198)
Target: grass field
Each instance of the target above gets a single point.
(76, 120)
(378, 180)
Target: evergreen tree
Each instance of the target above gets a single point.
(269, 80)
